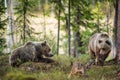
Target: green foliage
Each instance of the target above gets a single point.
(2, 26)
(44, 7)
(81, 16)
(19, 76)
(23, 11)
(85, 39)
(59, 71)
(2, 45)
(80, 13)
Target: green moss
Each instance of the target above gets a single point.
(19, 76)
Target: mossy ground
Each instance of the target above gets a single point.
(56, 71)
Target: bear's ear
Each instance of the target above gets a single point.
(28, 43)
(104, 35)
(43, 43)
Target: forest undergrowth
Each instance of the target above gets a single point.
(59, 70)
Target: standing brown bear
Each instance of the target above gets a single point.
(100, 46)
(31, 51)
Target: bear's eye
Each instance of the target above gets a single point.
(49, 49)
(108, 42)
(100, 41)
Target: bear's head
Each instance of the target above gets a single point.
(46, 50)
(104, 43)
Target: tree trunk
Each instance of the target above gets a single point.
(107, 22)
(44, 17)
(75, 43)
(24, 27)
(77, 35)
(98, 20)
(44, 23)
(8, 26)
(107, 16)
(58, 28)
(69, 31)
(11, 21)
(24, 24)
(117, 30)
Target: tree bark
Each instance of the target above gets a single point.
(24, 23)
(11, 21)
(58, 27)
(44, 23)
(77, 34)
(24, 27)
(69, 31)
(8, 26)
(107, 16)
(117, 30)
(98, 20)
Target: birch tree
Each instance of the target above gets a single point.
(8, 26)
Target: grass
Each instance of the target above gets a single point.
(56, 71)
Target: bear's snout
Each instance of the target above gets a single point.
(49, 54)
(103, 49)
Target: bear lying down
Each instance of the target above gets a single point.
(31, 51)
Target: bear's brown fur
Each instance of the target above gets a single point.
(100, 46)
(31, 51)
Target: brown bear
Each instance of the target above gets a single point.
(100, 46)
(31, 51)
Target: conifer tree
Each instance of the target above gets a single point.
(2, 26)
(24, 12)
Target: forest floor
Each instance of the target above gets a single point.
(59, 70)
